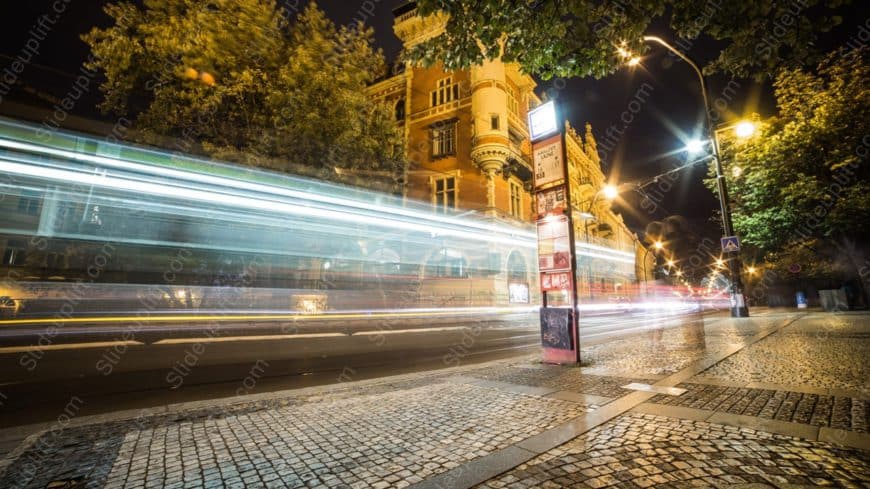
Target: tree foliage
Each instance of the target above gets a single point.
(804, 179)
(579, 37)
(238, 80)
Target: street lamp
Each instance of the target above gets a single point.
(658, 246)
(744, 129)
(738, 304)
(695, 146)
(609, 192)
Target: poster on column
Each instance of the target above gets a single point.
(551, 201)
(556, 281)
(547, 156)
(554, 245)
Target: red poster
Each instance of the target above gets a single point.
(556, 281)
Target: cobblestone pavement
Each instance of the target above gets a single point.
(394, 433)
(564, 378)
(386, 440)
(816, 351)
(643, 450)
(819, 410)
(660, 352)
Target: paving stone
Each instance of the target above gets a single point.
(436, 426)
(811, 352)
(818, 410)
(747, 456)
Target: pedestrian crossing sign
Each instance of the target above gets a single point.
(730, 244)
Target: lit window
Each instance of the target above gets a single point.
(445, 194)
(516, 200)
(446, 91)
(443, 139)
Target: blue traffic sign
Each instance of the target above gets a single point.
(730, 244)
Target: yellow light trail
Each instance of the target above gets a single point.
(306, 317)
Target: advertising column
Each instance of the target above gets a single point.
(556, 261)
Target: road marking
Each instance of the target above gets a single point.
(67, 346)
(412, 330)
(670, 391)
(220, 339)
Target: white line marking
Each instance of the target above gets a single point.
(67, 346)
(220, 339)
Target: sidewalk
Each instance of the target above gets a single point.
(778, 399)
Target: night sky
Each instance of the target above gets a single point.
(670, 113)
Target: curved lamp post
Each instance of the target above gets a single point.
(609, 192)
(658, 245)
(738, 304)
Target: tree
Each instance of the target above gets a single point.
(579, 37)
(803, 188)
(235, 79)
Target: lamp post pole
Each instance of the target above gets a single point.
(738, 304)
(586, 234)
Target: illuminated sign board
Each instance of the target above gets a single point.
(543, 121)
(547, 158)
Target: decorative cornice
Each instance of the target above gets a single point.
(413, 29)
(490, 157)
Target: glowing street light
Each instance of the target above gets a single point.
(671, 263)
(633, 61)
(658, 245)
(751, 270)
(695, 146)
(744, 129)
(610, 192)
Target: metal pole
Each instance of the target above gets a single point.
(575, 309)
(738, 304)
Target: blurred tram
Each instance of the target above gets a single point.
(92, 227)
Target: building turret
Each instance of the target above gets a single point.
(490, 147)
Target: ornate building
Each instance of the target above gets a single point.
(468, 144)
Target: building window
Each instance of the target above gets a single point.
(446, 91)
(493, 119)
(447, 264)
(400, 110)
(516, 200)
(443, 139)
(445, 194)
(28, 203)
(513, 101)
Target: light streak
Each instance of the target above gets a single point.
(248, 203)
(399, 313)
(260, 188)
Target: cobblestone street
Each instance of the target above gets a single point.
(642, 450)
(777, 399)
